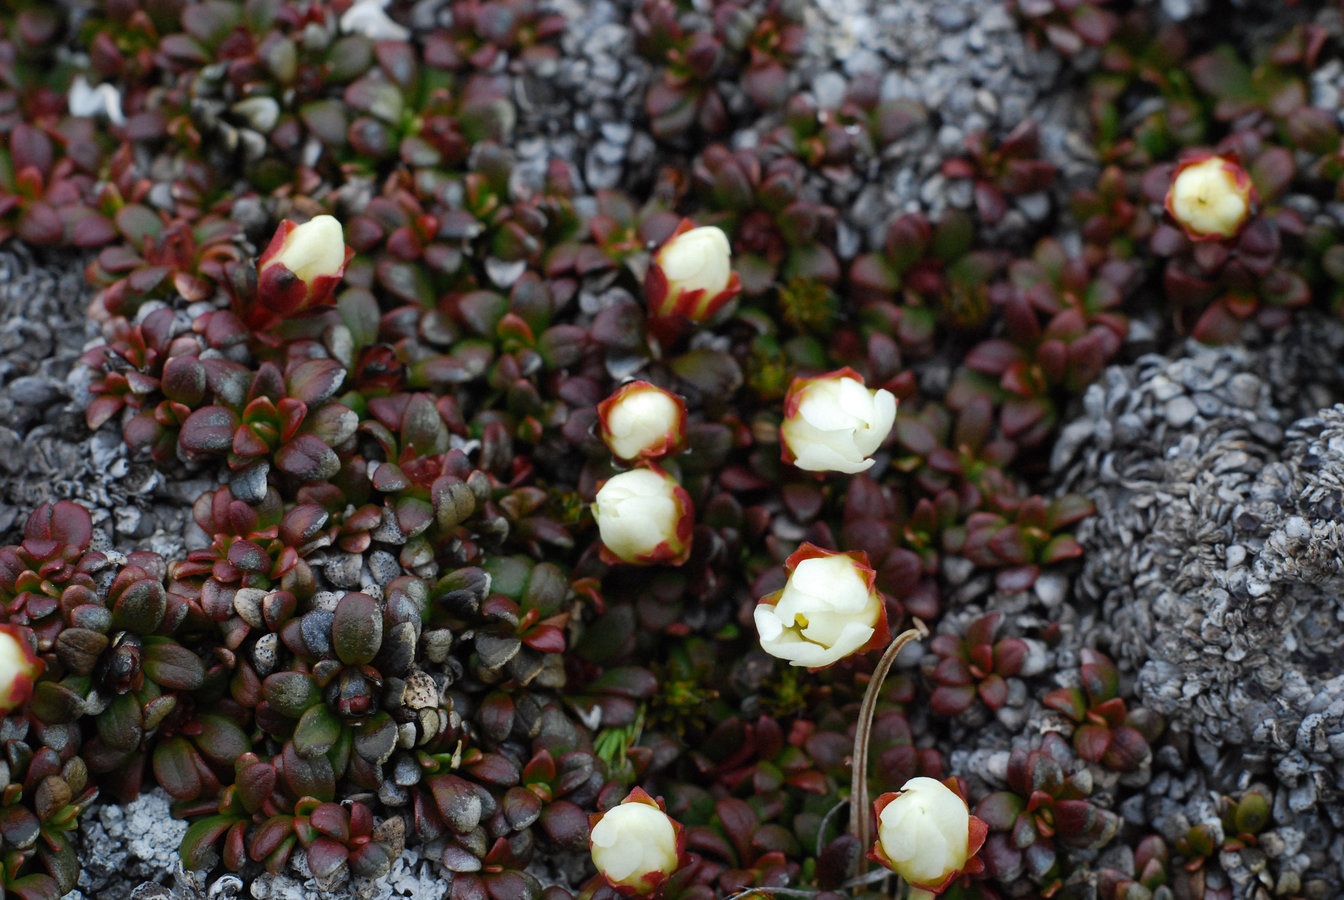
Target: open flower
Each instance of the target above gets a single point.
(644, 517)
(84, 100)
(19, 667)
(829, 608)
(926, 834)
(641, 421)
(1210, 197)
(834, 422)
(636, 846)
(369, 18)
(299, 270)
(692, 274)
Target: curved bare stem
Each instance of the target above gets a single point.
(860, 824)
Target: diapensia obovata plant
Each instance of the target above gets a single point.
(399, 581)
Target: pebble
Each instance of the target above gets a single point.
(1180, 411)
(35, 390)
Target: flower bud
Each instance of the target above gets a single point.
(641, 421)
(1210, 197)
(692, 274)
(926, 834)
(644, 517)
(299, 270)
(829, 608)
(636, 846)
(834, 423)
(19, 667)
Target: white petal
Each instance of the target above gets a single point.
(768, 625)
(869, 438)
(367, 18)
(850, 637)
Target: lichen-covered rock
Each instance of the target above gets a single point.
(1214, 564)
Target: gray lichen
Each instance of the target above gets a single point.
(1214, 569)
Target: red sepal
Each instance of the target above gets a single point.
(280, 294)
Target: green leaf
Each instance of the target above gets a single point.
(198, 844)
(140, 608)
(120, 725)
(317, 731)
(222, 740)
(290, 693)
(357, 629)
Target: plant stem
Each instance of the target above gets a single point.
(860, 824)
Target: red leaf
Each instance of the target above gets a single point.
(325, 857)
(1091, 741)
(950, 701)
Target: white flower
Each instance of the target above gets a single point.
(828, 609)
(692, 274)
(367, 17)
(635, 846)
(83, 100)
(835, 423)
(641, 421)
(311, 250)
(926, 834)
(19, 667)
(644, 517)
(1210, 197)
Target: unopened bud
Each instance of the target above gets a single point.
(1210, 197)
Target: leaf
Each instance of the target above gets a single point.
(994, 691)
(208, 431)
(1000, 810)
(331, 820)
(315, 380)
(37, 886)
(19, 826)
(326, 857)
(290, 693)
(357, 629)
(1092, 741)
(222, 740)
(175, 770)
(566, 824)
(952, 700)
(1017, 578)
(197, 848)
(58, 855)
(173, 666)
(739, 821)
(317, 731)
(459, 803)
(1127, 751)
(119, 726)
(307, 457)
(268, 838)
(1069, 701)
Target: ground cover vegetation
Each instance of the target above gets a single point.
(409, 625)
